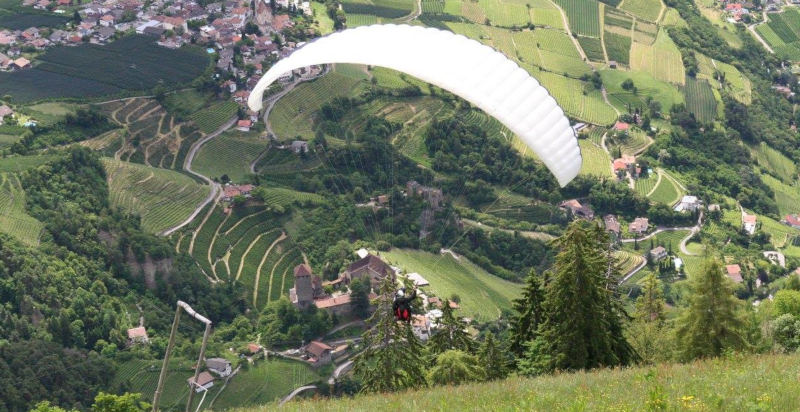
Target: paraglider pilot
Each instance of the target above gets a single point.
(402, 305)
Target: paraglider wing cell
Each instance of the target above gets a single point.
(479, 74)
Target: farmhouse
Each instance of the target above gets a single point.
(243, 125)
(639, 225)
(220, 366)
(687, 204)
(137, 335)
(734, 272)
(611, 224)
(318, 353)
(577, 209)
(231, 191)
(792, 220)
(204, 382)
(339, 305)
(370, 267)
(621, 126)
(749, 223)
(658, 253)
(21, 63)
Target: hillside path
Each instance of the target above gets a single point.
(752, 29)
(295, 392)
(187, 165)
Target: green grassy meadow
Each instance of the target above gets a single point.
(448, 276)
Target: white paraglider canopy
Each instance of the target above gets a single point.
(479, 74)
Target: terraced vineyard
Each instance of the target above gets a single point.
(213, 117)
(596, 161)
(618, 47)
(631, 143)
(734, 81)
(700, 99)
(627, 260)
(149, 134)
(163, 198)
(645, 185)
(787, 196)
(285, 197)
(230, 153)
(583, 16)
(776, 162)
(248, 245)
(14, 220)
(569, 94)
(388, 9)
(293, 114)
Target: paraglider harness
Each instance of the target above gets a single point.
(402, 306)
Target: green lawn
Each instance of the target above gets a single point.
(666, 192)
(646, 86)
(741, 382)
(163, 198)
(230, 153)
(482, 295)
(15, 164)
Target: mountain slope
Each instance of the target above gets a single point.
(738, 383)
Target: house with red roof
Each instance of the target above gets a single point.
(621, 126)
(244, 125)
(792, 220)
(734, 272)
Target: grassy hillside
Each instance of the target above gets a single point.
(163, 198)
(483, 295)
(753, 383)
(14, 220)
(230, 153)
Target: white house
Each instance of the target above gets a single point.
(687, 204)
(749, 223)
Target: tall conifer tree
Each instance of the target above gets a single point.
(528, 314)
(711, 323)
(393, 358)
(451, 334)
(583, 313)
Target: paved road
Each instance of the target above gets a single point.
(187, 165)
(341, 369)
(295, 392)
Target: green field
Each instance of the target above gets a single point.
(632, 142)
(230, 153)
(662, 59)
(213, 117)
(285, 197)
(14, 220)
(666, 192)
(569, 94)
(644, 185)
(545, 13)
(593, 48)
(700, 99)
(775, 162)
(163, 198)
(13, 164)
(583, 16)
(738, 382)
(628, 260)
(643, 9)
(293, 114)
(49, 113)
(88, 70)
(646, 86)
(505, 13)
(389, 9)
(596, 161)
(448, 276)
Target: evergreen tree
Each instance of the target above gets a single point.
(454, 367)
(650, 304)
(451, 334)
(711, 323)
(359, 299)
(583, 313)
(493, 358)
(528, 316)
(393, 358)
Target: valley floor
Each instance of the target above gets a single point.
(752, 383)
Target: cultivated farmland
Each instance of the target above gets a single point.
(14, 220)
(213, 117)
(775, 161)
(700, 99)
(230, 153)
(662, 59)
(618, 47)
(569, 94)
(163, 198)
(593, 48)
(666, 192)
(583, 16)
(596, 161)
(448, 276)
(643, 9)
(646, 86)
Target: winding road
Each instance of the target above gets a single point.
(187, 165)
